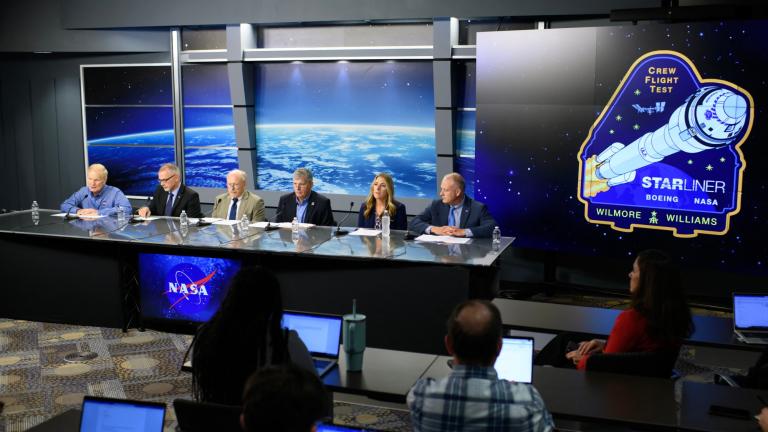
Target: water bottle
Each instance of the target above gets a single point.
(385, 224)
(35, 207)
(295, 224)
(120, 215)
(184, 220)
(244, 222)
(496, 238)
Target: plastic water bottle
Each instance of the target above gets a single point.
(244, 222)
(120, 214)
(385, 224)
(184, 220)
(35, 207)
(496, 238)
(295, 225)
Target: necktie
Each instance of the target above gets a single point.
(233, 210)
(169, 205)
(451, 217)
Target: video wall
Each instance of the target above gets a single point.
(346, 121)
(601, 142)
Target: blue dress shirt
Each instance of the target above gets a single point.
(106, 202)
(301, 208)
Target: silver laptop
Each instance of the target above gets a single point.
(515, 362)
(750, 318)
(321, 334)
(109, 415)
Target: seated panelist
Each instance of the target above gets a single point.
(171, 196)
(455, 214)
(304, 203)
(380, 198)
(238, 201)
(96, 198)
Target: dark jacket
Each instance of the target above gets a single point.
(318, 209)
(187, 200)
(398, 221)
(474, 215)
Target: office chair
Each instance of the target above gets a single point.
(651, 364)
(204, 417)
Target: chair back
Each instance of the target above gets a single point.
(201, 416)
(651, 364)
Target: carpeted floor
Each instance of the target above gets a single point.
(36, 383)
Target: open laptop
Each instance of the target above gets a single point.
(750, 318)
(515, 362)
(106, 415)
(320, 333)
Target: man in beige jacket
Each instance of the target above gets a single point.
(237, 201)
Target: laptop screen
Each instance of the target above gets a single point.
(750, 312)
(515, 362)
(108, 415)
(320, 333)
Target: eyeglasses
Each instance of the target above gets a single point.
(166, 179)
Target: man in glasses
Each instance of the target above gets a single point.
(171, 197)
(238, 201)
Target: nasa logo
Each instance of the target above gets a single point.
(187, 286)
(665, 152)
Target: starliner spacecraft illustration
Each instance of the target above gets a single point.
(710, 118)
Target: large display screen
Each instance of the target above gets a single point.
(183, 288)
(601, 142)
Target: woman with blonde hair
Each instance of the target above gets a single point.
(381, 198)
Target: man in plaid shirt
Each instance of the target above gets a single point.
(473, 398)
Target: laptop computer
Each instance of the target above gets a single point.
(750, 317)
(515, 362)
(106, 414)
(321, 334)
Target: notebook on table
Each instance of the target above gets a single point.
(107, 415)
(750, 317)
(320, 333)
(515, 362)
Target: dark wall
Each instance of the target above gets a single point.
(41, 136)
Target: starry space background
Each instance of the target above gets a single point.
(538, 93)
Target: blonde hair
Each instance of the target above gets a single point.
(370, 202)
(99, 168)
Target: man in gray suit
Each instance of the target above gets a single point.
(238, 201)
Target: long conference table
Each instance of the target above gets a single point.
(80, 271)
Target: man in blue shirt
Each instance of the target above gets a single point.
(473, 398)
(96, 198)
(305, 204)
(454, 214)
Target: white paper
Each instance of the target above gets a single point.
(280, 225)
(90, 216)
(366, 232)
(59, 215)
(442, 239)
(145, 219)
(226, 222)
(209, 220)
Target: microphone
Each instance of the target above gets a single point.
(269, 226)
(339, 232)
(201, 222)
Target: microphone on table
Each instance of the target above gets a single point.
(201, 222)
(271, 227)
(339, 232)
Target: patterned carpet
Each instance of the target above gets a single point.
(36, 383)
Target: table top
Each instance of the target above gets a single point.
(318, 241)
(538, 316)
(698, 397)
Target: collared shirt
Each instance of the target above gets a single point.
(106, 202)
(473, 398)
(301, 208)
(236, 204)
(457, 209)
(175, 194)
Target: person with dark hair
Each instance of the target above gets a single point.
(283, 399)
(658, 318)
(382, 198)
(473, 397)
(244, 335)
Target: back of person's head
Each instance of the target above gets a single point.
(283, 399)
(660, 296)
(240, 336)
(474, 331)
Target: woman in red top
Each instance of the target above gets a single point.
(658, 317)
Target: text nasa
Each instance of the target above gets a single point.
(665, 183)
(187, 289)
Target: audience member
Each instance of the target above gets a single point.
(304, 203)
(283, 399)
(238, 201)
(171, 196)
(658, 318)
(454, 214)
(473, 398)
(244, 335)
(380, 198)
(96, 198)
